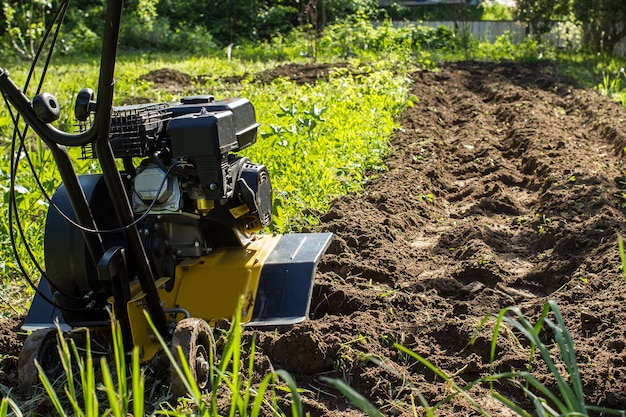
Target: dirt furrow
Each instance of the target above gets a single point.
(501, 191)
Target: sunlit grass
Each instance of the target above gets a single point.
(312, 157)
(116, 388)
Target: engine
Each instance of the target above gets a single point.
(193, 189)
(189, 189)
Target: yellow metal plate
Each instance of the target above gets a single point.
(212, 286)
(209, 287)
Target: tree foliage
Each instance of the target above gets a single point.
(174, 24)
(457, 11)
(602, 21)
(23, 24)
(541, 14)
(195, 25)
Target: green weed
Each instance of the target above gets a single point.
(566, 399)
(622, 255)
(613, 87)
(317, 147)
(9, 407)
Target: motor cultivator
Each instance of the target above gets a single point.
(174, 233)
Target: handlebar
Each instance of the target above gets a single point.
(98, 134)
(44, 130)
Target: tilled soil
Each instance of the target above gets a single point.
(503, 189)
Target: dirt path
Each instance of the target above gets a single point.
(502, 189)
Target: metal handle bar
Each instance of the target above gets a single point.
(98, 134)
(44, 130)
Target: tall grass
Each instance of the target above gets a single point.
(230, 374)
(568, 398)
(231, 379)
(614, 86)
(81, 397)
(86, 390)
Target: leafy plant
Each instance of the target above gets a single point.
(24, 25)
(495, 11)
(317, 148)
(612, 86)
(569, 398)
(504, 48)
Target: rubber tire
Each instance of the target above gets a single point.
(194, 336)
(41, 345)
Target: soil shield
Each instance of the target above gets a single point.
(503, 189)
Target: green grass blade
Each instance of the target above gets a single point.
(606, 410)
(51, 391)
(71, 351)
(510, 404)
(622, 255)
(530, 380)
(574, 402)
(542, 408)
(188, 380)
(4, 407)
(235, 341)
(522, 324)
(78, 411)
(247, 390)
(564, 338)
(354, 397)
(138, 385)
(296, 401)
(430, 412)
(119, 356)
(66, 361)
(260, 394)
(184, 373)
(109, 388)
(89, 383)
(443, 376)
(9, 403)
(494, 338)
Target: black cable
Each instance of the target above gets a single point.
(59, 17)
(105, 231)
(62, 11)
(23, 150)
(13, 208)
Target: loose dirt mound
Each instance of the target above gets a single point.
(169, 79)
(503, 189)
(300, 74)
